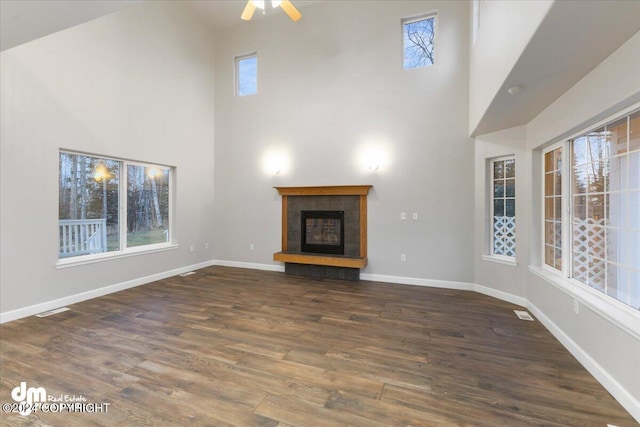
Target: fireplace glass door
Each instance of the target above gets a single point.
(323, 232)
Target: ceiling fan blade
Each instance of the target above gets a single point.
(247, 13)
(290, 10)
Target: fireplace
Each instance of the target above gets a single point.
(322, 232)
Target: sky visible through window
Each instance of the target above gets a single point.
(247, 75)
(419, 43)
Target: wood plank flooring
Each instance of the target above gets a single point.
(235, 347)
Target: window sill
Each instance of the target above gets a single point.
(620, 314)
(505, 260)
(91, 259)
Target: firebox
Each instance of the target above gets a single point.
(323, 232)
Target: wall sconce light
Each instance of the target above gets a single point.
(372, 157)
(275, 162)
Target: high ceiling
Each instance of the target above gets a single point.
(573, 38)
(24, 20)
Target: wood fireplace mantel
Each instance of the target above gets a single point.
(317, 259)
(328, 190)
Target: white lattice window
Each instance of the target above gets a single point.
(600, 232)
(503, 207)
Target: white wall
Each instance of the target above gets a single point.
(505, 29)
(138, 84)
(601, 334)
(328, 88)
(507, 279)
(610, 351)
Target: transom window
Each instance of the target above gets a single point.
(600, 233)
(503, 207)
(247, 74)
(108, 205)
(418, 35)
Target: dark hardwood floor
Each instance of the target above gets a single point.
(241, 347)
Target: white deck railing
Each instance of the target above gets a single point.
(82, 237)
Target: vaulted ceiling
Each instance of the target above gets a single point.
(574, 37)
(24, 20)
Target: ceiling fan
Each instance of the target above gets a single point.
(286, 5)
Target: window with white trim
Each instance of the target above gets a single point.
(599, 233)
(247, 74)
(553, 207)
(503, 206)
(109, 205)
(419, 41)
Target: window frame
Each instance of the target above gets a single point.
(607, 305)
(565, 208)
(492, 256)
(237, 60)
(126, 251)
(417, 18)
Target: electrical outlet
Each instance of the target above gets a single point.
(191, 248)
(251, 247)
(576, 306)
(403, 257)
(206, 246)
(403, 215)
(415, 216)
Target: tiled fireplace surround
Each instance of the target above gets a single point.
(350, 199)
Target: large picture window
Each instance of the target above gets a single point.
(92, 191)
(604, 204)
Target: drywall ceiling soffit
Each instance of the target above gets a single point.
(22, 21)
(572, 40)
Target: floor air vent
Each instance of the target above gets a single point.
(50, 312)
(523, 315)
(188, 273)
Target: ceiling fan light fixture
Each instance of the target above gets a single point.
(285, 5)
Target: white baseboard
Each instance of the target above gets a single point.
(83, 296)
(446, 284)
(501, 295)
(415, 281)
(626, 399)
(249, 265)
